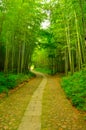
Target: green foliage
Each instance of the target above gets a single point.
(40, 58)
(18, 33)
(75, 89)
(43, 70)
(3, 89)
(10, 81)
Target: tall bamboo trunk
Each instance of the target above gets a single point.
(6, 58)
(78, 44)
(82, 2)
(19, 59)
(13, 53)
(66, 61)
(67, 31)
(23, 53)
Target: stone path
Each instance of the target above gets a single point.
(32, 116)
(57, 111)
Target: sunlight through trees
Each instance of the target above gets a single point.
(57, 27)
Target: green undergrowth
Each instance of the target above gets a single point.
(75, 89)
(43, 70)
(10, 81)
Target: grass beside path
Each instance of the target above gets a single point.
(57, 111)
(13, 107)
(75, 89)
(10, 81)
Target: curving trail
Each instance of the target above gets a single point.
(42, 104)
(49, 109)
(32, 116)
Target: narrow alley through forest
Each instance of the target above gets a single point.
(40, 101)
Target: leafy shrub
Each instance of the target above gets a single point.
(10, 81)
(3, 89)
(75, 89)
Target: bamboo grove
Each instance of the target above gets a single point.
(66, 44)
(19, 26)
(64, 41)
(68, 25)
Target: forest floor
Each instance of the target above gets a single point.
(13, 106)
(57, 111)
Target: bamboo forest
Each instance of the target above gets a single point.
(42, 64)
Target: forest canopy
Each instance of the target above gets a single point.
(61, 45)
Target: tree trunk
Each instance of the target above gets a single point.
(19, 59)
(6, 58)
(78, 44)
(66, 61)
(82, 2)
(23, 52)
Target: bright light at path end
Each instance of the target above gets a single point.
(46, 1)
(45, 24)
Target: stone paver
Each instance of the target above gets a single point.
(32, 115)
